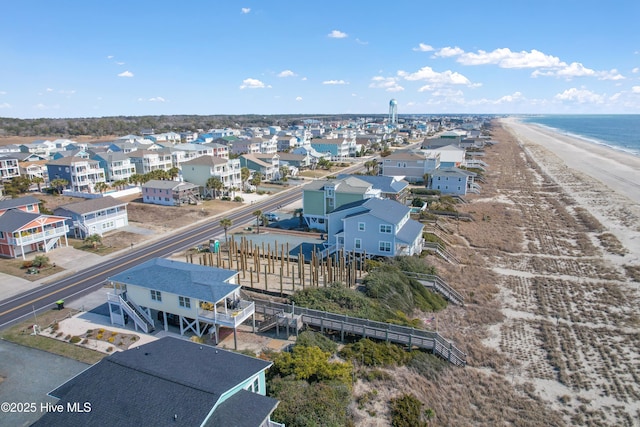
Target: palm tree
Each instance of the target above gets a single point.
(245, 173)
(173, 173)
(120, 184)
(226, 223)
(257, 179)
(135, 179)
(214, 183)
(101, 187)
(59, 184)
(38, 180)
(257, 214)
(299, 213)
(94, 240)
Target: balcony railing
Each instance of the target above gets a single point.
(233, 318)
(39, 237)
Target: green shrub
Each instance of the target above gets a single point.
(75, 339)
(370, 353)
(406, 411)
(310, 339)
(311, 364)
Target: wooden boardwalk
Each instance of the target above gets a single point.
(344, 324)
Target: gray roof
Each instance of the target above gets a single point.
(66, 161)
(410, 231)
(386, 184)
(20, 201)
(180, 278)
(349, 184)
(168, 381)
(206, 161)
(168, 184)
(245, 408)
(452, 171)
(387, 210)
(14, 219)
(92, 205)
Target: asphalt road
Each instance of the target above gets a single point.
(17, 308)
(21, 306)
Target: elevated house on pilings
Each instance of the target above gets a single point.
(196, 298)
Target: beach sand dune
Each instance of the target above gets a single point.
(567, 275)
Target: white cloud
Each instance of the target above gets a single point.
(389, 84)
(252, 84)
(581, 96)
(446, 52)
(361, 42)
(298, 98)
(304, 79)
(110, 57)
(635, 89)
(334, 82)
(286, 73)
(245, 10)
(67, 92)
(46, 107)
(4, 105)
(635, 70)
(120, 63)
(337, 34)
(423, 48)
(126, 74)
(2, 92)
(49, 89)
(516, 96)
(505, 58)
(612, 74)
(157, 99)
(435, 78)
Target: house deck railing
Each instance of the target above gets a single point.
(436, 283)
(234, 317)
(404, 335)
(39, 237)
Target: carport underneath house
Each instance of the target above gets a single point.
(200, 297)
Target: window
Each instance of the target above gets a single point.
(384, 246)
(361, 226)
(256, 385)
(385, 228)
(184, 302)
(156, 295)
(30, 208)
(357, 243)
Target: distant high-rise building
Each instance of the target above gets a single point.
(393, 112)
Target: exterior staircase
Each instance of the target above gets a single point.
(435, 282)
(140, 317)
(441, 252)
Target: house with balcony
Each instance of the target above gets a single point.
(454, 181)
(116, 164)
(36, 169)
(199, 170)
(339, 148)
(218, 150)
(201, 298)
(8, 167)
(324, 196)
(391, 187)
(245, 146)
(94, 216)
(23, 229)
(412, 165)
(267, 166)
(374, 227)
(169, 381)
(170, 193)
(185, 152)
(146, 161)
(450, 155)
(81, 174)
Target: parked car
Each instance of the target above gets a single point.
(271, 216)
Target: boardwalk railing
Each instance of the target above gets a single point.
(441, 251)
(404, 335)
(436, 283)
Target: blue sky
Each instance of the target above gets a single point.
(90, 59)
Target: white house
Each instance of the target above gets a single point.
(94, 216)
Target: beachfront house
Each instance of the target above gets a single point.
(198, 171)
(170, 193)
(116, 164)
(94, 216)
(323, 196)
(81, 174)
(450, 155)
(168, 381)
(454, 181)
(196, 298)
(267, 166)
(375, 227)
(412, 165)
(23, 229)
(146, 161)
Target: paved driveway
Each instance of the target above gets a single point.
(30, 374)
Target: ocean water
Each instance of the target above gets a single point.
(618, 131)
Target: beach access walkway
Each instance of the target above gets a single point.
(325, 321)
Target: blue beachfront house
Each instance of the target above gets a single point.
(196, 297)
(375, 227)
(169, 381)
